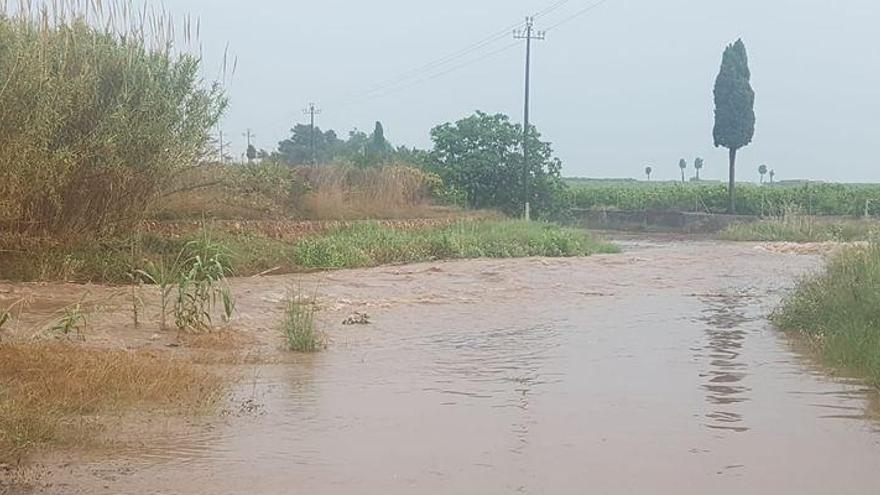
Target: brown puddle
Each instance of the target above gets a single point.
(651, 372)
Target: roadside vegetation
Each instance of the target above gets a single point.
(838, 312)
(803, 229)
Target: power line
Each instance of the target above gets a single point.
(439, 62)
(413, 77)
(551, 8)
(436, 75)
(577, 14)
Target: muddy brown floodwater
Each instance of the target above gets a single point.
(650, 372)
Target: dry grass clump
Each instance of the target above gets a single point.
(55, 393)
(271, 191)
(346, 192)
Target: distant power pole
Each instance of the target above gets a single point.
(311, 112)
(249, 135)
(528, 34)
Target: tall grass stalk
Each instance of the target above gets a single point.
(298, 326)
(98, 112)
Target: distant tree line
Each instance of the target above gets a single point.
(305, 147)
(479, 159)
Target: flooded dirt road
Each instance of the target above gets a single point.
(653, 371)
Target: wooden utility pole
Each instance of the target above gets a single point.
(311, 111)
(528, 34)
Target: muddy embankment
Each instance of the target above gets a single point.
(652, 371)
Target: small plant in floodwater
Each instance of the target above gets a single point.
(299, 324)
(202, 284)
(73, 320)
(165, 275)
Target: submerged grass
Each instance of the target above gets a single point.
(248, 253)
(370, 245)
(298, 327)
(52, 393)
(802, 228)
(838, 311)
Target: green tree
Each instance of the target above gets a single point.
(734, 109)
(683, 165)
(251, 153)
(762, 170)
(698, 166)
(297, 149)
(480, 157)
(648, 171)
(378, 149)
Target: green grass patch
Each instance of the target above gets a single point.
(370, 245)
(802, 228)
(363, 245)
(838, 312)
(298, 326)
(813, 198)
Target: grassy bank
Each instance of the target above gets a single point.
(58, 393)
(838, 312)
(369, 245)
(250, 253)
(802, 228)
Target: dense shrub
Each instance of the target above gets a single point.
(93, 120)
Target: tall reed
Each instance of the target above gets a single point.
(98, 111)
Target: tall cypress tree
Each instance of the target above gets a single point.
(734, 108)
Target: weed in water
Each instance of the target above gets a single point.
(164, 274)
(298, 326)
(199, 289)
(73, 320)
(837, 312)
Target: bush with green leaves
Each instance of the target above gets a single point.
(481, 157)
(98, 112)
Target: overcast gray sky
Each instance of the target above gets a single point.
(626, 85)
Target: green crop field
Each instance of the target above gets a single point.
(752, 199)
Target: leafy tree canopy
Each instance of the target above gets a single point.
(481, 157)
(734, 100)
(359, 148)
